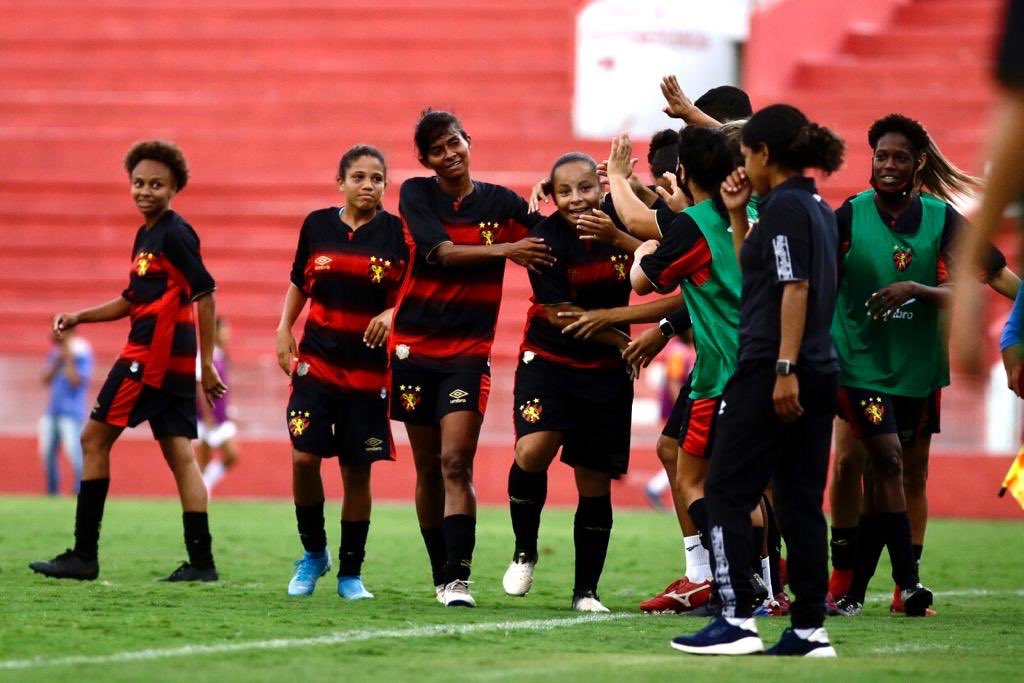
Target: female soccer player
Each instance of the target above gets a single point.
(895, 242)
(573, 394)
(775, 419)
(348, 265)
(460, 233)
(154, 377)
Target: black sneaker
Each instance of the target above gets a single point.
(848, 607)
(187, 572)
(67, 565)
(792, 645)
(916, 601)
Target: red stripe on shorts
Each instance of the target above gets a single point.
(485, 392)
(847, 412)
(698, 427)
(123, 403)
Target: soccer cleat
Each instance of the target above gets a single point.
(352, 588)
(779, 606)
(519, 576)
(830, 606)
(896, 607)
(187, 572)
(439, 592)
(67, 565)
(791, 645)
(588, 602)
(722, 638)
(456, 594)
(681, 597)
(654, 499)
(916, 601)
(307, 570)
(760, 589)
(848, 607)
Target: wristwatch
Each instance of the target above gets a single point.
(666, 328)
(784, 367)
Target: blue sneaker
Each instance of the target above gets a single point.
(722, 638)
(815, 645)
(352, 588)
(307, 570)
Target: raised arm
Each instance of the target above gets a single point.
(638, 218)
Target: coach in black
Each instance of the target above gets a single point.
(775, 421)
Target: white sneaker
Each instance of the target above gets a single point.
(588, 602)
(456, 594)
(519, 576)
(439, 592)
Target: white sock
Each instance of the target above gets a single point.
(745, 623)
(658, 483)
(766, 574)
(698, 564)
(213, 473)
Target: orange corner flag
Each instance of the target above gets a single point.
(1014, 480)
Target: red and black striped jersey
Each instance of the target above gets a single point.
(446, 316)
(167, 275)
(350, 276)
(587, 274)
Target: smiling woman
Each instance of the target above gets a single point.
(154, 377)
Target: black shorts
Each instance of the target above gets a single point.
(354, 427)
(674, 423)
(697, 428)
(594, 409)
(124, 401)
(872, 413)
(423, 397)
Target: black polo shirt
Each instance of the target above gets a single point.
(794, 239)
(1010, 60)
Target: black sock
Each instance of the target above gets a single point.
(592, 528)
(460, 540)
(88, 515)
(353, 547)
(774, 546)
(197, 539)
(901, 552)
(870, 542)
(437, 552)
(527, 492)
(699, 516)
(757, 542)
(310, 519)
(918, 552)
(844, 546)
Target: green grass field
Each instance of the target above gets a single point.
(125, 627)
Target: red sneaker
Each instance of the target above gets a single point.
(839, 582)
(681, 597)
(779, 606)
(896, 607)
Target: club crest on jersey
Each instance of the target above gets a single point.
(488, 231)
(322, 263)
(410, 396)
(298, 422)
(619, 262)
(379, 267)
(143, 261)
(901, 257)
(874, 410)
(531, 411)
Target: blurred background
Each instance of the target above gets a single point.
(264, 96)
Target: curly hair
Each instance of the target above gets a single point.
(792, 141)
(939, 176)
(166, 153)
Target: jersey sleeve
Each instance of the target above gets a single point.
(550, 285)
(419, 216)
(680, 319)
(182, 250)
(786, 229)
(521, 219)
(302, 253)
(683, 252)
(844, 222)
(994, 262)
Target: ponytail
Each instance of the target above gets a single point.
(793, 142)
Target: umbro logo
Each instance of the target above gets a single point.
(322, 262)
(373, 444)
(458, 395)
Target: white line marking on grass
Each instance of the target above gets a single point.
(337, 638)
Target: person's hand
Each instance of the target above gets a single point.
(213, 386)
(1012, 361)
(786, 398)
(678, 105)
(539, 194)
(648, 247)
(675, 198)
(642, 350)
(619, 161)
(377, 331)
(886, 301)
(530, 252)
(286, 350)
(62, 322)
(587, 323)
(736, 191)
(602, 176)
(597, 225)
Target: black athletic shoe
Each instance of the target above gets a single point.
(848, 607)
(67, 565)
(792, 645)
(916, 601)
(187, 572)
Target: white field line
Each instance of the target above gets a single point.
(337, 638)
